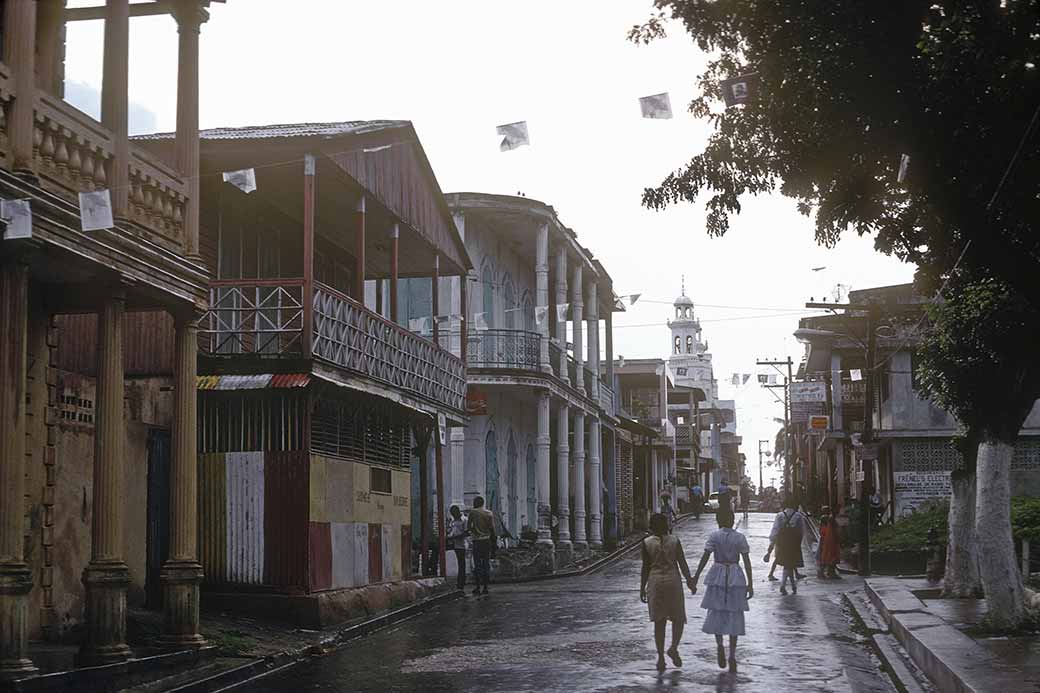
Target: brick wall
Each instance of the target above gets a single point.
(624, 485)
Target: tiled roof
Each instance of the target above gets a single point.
(257, 132)
(252, 382)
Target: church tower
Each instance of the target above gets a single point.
(689, 359)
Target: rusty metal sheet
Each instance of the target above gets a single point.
(245, 517)
(213, 518)
(290, 380)
(319, 542)
(391, 535)
(287, 517)
(375, 552)
(207, 382)
(148, 343)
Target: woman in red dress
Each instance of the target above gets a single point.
(830, 545)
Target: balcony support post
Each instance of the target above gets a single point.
(307, 299)
(541, 272)
(395, 240)
(563, 477)
(20, 55)
(578, 464)
(609, 329)
(463, 319)
(359, 251)
(561, 324)
(577, 309)
(436, 299)
(593, 327)
(441, 529)
(115, 100)
(190, 16)
(543, 442)
(595, 485)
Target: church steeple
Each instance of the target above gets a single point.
(686, 330)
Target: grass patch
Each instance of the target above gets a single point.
(232, 643)
(911, 533)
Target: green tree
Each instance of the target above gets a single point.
(845, 90)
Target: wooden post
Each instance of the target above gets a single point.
(541, 272)
(115, 100)
(395, 242)
(189, 15)
(308, 255)
(15, 576)
(464, 320)
(20, 55)
(359, 251)
(1025, 559)
(436, 299)
(442, 535)
(424, 501)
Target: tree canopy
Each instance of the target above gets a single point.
(845, 89)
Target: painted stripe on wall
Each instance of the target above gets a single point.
(286, 525)
(319, 539)
(360, 554)
(213, 517)
(342, 536)
(245, 517)
(375, 553)
(389, 544)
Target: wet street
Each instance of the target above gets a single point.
(592, 634)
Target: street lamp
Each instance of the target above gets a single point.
(767, 453)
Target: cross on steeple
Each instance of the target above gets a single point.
(683, 277)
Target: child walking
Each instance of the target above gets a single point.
(830, 545)
(727, 589)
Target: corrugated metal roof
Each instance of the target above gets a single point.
(259, 132)
(253, 382)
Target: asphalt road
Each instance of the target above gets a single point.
(592, 634)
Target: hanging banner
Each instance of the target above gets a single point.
(739, 90)
(480, 323)
(561, 311)
(17, 217)
(856, 375)
(95, 210)
(442, 429)
(904, 165)
(540, 314)
(658, 106)
(244, 179)
(513, 135)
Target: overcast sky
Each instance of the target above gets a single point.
(456, 70)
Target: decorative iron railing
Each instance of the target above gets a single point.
(685, 435)
(260, 316)
(494, 348)
(606, 398)
(350, 336)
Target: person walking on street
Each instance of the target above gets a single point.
(660, 588)
(726, 589)
(667, 510)
(484, 542)
(457, 532)
(725, 497)
(697, 498)
(786, 537)
(830, 545)
(745, 499)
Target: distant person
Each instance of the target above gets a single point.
(667, 510)
(457, 533)
(786, 537)
(660, 588)
(697, 498)
(484, 542)
(829, 552)
(745, 499)
(725, 497)
(726, 589)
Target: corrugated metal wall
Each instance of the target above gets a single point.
(245, 517)
(148, 343)
(285, 524)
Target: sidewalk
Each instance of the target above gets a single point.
(943, 638)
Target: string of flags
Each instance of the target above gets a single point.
(657, 106)
(17, 217)
(514, 135)
(244, 179)
(95, 210)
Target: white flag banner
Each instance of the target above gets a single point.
(540, 314)
(95, 210)
(746, 377)
(658, 106)
(17, 215)
(736, 379)
(904, 165)
(513, 135)
(561, 311)
(417, 324)
(771, 379)
(442, 429)
(633, 298)
(856, 375)
(244, 180)
(480, 322)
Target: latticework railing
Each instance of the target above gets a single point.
(352, 337)
(259, 316)
(504, 349)
(606, 397)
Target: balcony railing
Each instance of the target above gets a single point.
(606, 398)
(514, 349)
(265, 318)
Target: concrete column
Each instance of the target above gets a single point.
(20, 55)
(106, 576)
(115, 100)
(542, 478)
(578, 463)
(563, 475)
(458, 464)
(541, 273)
(655, 489)
(15, 576)
(595, 485)
(190, 16)
(561, 325)
(577, 303)
(592, 304)
(182, 572)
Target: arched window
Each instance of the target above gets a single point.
(689, 344)
(487, 281)
(678, 345)
(528, 313)
(509, 301)
(491, 491)
(687, 311)
(512, 487)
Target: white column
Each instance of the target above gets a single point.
(563, 461)
(577, 302)
(541, 272)
(456, 477)
(542, 479)
(578, 462)
(655, 489)
(561, 325)
(595, 485)
(592, 303)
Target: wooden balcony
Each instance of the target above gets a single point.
(505, 349)
(267, 318)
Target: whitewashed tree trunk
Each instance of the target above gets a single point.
(998, 567)
(962, 558)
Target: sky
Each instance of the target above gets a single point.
(456, 70)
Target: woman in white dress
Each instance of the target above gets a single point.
(726, 588)
(660, 587)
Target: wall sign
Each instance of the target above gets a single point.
(914, 489)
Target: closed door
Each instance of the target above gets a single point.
(158, 514)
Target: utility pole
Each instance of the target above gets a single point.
(787, 409)
(868, 453)
(761, 481)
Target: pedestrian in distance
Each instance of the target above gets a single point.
(457, 533)
(660, 587)
(484, 543)
(725, 497)
(727, 589)
(667, 510)
(786, 537)
(745, 499)
(830, 545)
(697, 499)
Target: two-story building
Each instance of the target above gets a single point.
(540, 315)
(72, 530)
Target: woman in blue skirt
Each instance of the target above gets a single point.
(727, 588)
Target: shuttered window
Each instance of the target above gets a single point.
(361, 429)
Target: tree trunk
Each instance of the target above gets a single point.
(998, 568)
(962, 558)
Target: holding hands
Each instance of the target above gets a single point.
(691, 582)
(642, 595)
